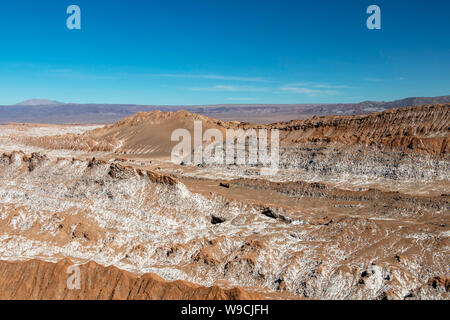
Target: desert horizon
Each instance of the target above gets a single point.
(55, 112)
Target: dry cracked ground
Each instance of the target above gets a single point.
(360, 209)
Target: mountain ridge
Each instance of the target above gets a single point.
(38, 102)
(257, 113)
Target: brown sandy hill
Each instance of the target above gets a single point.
(144, 133)
(36, 279)
(424, 128)
(419, 129)
(150, 133)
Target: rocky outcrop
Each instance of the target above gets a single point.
(420, 129)
(113, 169)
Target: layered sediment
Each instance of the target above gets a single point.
(359, 209)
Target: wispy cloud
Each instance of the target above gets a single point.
(385, 80)
(229, 88)
(300, 90)
(211, 77)
(310, 92)
(321, 85)
(330, 86)
(118, 75)
(241, 99)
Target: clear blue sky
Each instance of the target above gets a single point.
(223, 51)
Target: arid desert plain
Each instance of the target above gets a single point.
(358, 209)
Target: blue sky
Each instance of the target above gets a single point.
(215, 51)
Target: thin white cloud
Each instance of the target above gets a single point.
(211, 77)
(229, 88)
(309, 92)
(300, 90)
(119, 75)
(330, 86)
(318, 85)
(386, 79)
(241, 99)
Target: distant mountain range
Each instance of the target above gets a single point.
(39, 102)
(48, 111)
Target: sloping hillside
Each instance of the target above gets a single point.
(424, 129)
(40, 280)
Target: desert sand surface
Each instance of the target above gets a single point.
(359, 209)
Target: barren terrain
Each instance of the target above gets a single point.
(360, 209)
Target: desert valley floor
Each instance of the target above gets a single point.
(360, 209)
